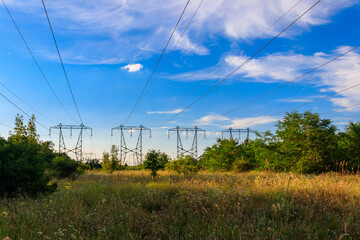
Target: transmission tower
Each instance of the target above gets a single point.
(232, 130)
(78, 147)
(193, 151)
(124, 150)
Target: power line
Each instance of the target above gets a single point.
(241, 65)
(177, 43)
(34, 109)
(61, 61)
(148, 81)
(12, 103)
(5, 125)
(262, 34)
(283, 85)
(35, 61)
(343, 108)
(301, 105)
(244, 49)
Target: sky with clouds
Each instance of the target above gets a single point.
(110, 50)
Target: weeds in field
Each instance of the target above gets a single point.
(130, 205)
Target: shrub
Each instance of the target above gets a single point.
(94, 164)
(23, 161)
(183, 165)
(220, 156)
(65, 167)
(242, 164)
(154, 161)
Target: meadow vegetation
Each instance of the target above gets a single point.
(301, 182)
(131, 205)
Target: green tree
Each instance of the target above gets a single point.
(31, 130)
(154, 161)
(349, 147)
(115, 163)
(308, 142)
(106, 163)
(265, 153)
(20, 134)
(221, 156)
(183, 165)
(23, 163)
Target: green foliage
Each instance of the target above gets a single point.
(349, 147)
(23, 162)
(106, 163)
(110, 161)
(303, 143)
(183, 165)
(154, 161)
(94, 164)
(203, 206)
(242, 164)
(308, 142)
(64, 167)
(221, 156)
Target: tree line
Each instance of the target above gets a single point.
(302, 143)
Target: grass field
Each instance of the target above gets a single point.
(130, 205)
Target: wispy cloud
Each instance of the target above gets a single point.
(300, 100)
(209, 119)
(118, 31)
(251, 122)
(133, 67)
(166, 112)
(283, 67)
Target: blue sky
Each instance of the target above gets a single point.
(110, 49)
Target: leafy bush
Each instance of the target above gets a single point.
(154, 161)
(64, 167)
(110, 161)
(94, 164)
(349, 148)
(242, 164)
(23, 161)
(221, 156)
(183, 165)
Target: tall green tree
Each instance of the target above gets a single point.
(20, 133)
(308, 142)
(114, 158)
(349, 147)
(220, 156)
(31, 130)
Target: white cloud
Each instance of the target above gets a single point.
(133, 67)
(118, 31)
(282, 67)
(209, 119)
(251, 122)
(166, 112)
(187, 46)
(300, 100)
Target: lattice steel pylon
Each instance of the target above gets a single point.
(124, 150)
(193, 151)
(78, 147)
(232, 130)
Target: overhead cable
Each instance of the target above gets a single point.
(61, 61)
(241, 65)
(35, 61)
(152, 73)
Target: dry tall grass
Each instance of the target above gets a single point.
(129, 205)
